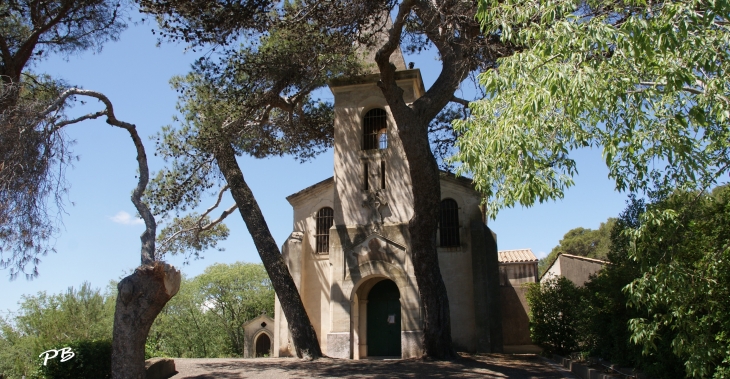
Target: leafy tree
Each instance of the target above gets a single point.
(684, 284)
(556, 320)
(608, 310)
(30, 146)
(32, 30)
(32, 118)
(206, 318)
(257, 88)
(185, 329)
(51, 322)
(644, 81)
(236, 294)
(583, 242)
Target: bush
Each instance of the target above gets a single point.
(92, 360)
(556, 315)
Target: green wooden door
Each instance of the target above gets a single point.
(384, 320)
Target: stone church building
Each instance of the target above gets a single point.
(350, 255)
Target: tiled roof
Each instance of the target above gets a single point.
(517, 256)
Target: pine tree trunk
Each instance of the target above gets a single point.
(426, 186)
(141, 297)
(303, 335)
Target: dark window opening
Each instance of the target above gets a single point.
(449, 223)
(382, 174)
(263, 324)
(324, 219)
(366, 185)
(375, 130)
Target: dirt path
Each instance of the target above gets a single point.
(481, 366)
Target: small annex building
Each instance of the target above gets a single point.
(258, 337)
(516, 268)
(575, 268)
(350, 254)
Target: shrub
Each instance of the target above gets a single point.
(556, 315)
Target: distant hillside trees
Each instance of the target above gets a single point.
(206, 318)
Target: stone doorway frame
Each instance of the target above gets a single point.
(256, 340)
(359, 308)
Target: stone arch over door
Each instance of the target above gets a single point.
(359, 311)
(263, 344)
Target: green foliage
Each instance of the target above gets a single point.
(206, 318)
(92, 360)
(661, 305)
(54, 321)
(185, 329)
(556, 315)
(682, 244)
(644, 81)
(190, 235)
(583, 242)
(56, 27)
(33, 154)
(609, 314)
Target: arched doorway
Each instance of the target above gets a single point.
(263, 345)
(383, 320)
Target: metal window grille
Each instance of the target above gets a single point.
(324, 219)
(449, 223)
(375, 130)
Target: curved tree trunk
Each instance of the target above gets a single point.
(303, 335)
(140, 299)
(141, 295)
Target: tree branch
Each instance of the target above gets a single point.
(89, 116)
(148, 237)
(217, 203)
(459, 100)
(686, 89)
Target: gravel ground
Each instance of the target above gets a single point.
(470, 366)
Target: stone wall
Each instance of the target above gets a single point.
(515, 319)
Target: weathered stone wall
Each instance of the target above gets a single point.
(575, 268)
(516, 274)
(578, 270)
(515, 318)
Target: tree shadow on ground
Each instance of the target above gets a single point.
(472, 366)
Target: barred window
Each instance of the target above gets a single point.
(324, 219)
(449, 223)
(375, 130)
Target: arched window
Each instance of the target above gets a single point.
(449, 223)
(324, 219)
(375, 130)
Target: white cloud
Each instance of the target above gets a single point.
(125, 218)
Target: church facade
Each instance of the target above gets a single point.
(349, 253)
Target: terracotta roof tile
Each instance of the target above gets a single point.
(517, 256)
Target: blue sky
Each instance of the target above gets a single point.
(99, 239)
